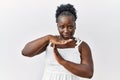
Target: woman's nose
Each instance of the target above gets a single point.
(66, 30)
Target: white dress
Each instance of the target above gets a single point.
(55, 71)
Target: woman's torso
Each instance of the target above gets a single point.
(53, 67)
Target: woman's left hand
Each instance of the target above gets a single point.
(58, 57)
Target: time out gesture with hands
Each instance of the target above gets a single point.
(85, 69)
(59, 43)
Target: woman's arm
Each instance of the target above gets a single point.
(36, 46)
(85, 68)
(39, 45)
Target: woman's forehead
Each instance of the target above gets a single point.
(64, 18)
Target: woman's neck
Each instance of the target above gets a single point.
(62, 38)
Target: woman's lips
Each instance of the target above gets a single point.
(66, 35)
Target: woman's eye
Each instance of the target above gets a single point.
(70, 27)
(62, 27)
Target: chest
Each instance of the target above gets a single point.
(70, 54)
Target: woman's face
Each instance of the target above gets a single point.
(66, 26)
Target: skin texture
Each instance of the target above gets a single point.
(66, 27)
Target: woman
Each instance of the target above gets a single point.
(67, 57)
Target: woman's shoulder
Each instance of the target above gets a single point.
(83, 46)
(81, 43)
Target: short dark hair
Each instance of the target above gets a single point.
(66, 9)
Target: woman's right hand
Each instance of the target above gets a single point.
(57, 41)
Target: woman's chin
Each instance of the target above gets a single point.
(67, 37)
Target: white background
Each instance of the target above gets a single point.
(24, 20)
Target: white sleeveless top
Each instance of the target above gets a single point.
(55, 71)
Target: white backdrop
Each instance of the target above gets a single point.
(24, 20)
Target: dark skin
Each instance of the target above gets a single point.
(66, 27)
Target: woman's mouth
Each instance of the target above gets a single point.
(66, 35)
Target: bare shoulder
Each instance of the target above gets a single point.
(84, 47)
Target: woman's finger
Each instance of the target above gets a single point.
(67, 41)
(63, 42)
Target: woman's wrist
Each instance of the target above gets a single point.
(63, 62)
(49, 37)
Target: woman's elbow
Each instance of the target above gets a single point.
(26, 53)
(89, 74)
